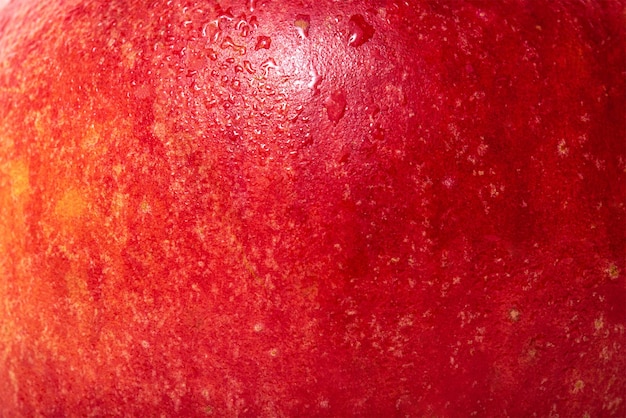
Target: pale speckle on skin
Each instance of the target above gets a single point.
(612, 405)
(144, 207)
(467, 317)
(448, 182)
(482, 148)
(159, 129)
(562, 148)
(605, 354)
(598, 324)
(578, 386)
(514, 314)
(444, 289)
(612, 271)
(494, 192)
(406, 321)
(480, 334)
(129, 54)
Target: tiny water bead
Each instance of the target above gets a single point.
(263, 42)
(359, 31)
(268, 64)
(251, 5)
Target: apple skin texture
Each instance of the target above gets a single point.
(312, 209)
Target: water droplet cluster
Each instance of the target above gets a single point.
(229, 76)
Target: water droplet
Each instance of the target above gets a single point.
(211, 30)
(302, 24)
(242, 25)
(226, 14)
(212, 54)
(248, 67)
(335, 105)
(263, 42)
(360, 31)
(315, 81)
(251, 5)
(229, 43)
(253, 22)
(377, 132)
(267, 65)
(238, 69)
(230, 60)
(296, 114)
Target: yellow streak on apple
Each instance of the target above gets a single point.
(18, 173)
(71, 206)
(14, 188)
(76, 282)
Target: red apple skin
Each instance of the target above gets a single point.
(312, 209)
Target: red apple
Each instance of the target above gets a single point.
(312, 208)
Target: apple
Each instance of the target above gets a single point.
(312, 208)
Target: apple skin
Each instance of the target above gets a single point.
(312, 208)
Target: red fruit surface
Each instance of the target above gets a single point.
(312, 208)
